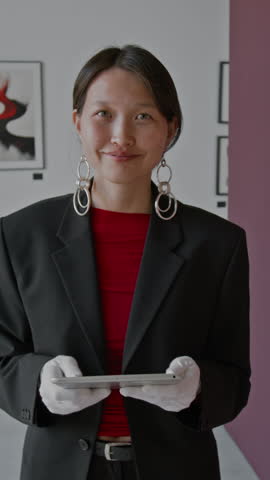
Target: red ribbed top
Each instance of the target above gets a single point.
(119, 240)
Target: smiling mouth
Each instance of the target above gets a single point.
(122, 157)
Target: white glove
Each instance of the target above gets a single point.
(61, 400)
(171, 397)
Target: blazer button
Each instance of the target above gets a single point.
(84, 444)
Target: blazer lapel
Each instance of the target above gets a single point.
(76, 265)
(158, 269)
(75, 262)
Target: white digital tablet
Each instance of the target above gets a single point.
(117, 381)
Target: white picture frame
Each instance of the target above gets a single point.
(21, 116)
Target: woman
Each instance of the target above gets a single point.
(120, 277)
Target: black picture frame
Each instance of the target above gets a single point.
(222, 165)
(223, 93)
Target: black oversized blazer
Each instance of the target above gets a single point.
(191, 298)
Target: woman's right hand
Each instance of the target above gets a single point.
(64, 401)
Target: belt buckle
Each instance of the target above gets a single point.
(107, 450)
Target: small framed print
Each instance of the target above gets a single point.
(21, 116)
(222, 170)
(223, 93)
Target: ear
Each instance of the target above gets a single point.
(76, 121)
(172, 129)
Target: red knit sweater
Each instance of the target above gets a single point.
(119, 241)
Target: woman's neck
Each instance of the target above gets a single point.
(126, 198)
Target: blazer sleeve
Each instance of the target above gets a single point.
(225, 364)
(19, 365)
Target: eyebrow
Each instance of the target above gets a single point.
(151, 105)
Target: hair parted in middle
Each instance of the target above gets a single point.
(141, 62)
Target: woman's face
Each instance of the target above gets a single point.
(120, 117)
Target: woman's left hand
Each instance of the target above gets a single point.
(174, 397)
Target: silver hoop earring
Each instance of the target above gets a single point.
(164, 188)
(83, 184)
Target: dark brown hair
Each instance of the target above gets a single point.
(144, 64)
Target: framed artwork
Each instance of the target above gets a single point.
(223, 93)
(222, 172)
(21, 116)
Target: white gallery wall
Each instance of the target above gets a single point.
(190, 37)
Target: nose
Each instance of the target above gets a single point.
(122, 134)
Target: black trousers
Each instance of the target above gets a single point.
(103, 469)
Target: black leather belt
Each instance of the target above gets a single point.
(114, 451)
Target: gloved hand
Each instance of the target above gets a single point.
(171, 397)
(61, 400)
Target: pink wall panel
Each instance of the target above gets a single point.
(249, 205)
